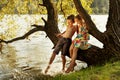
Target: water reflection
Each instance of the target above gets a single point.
(25, 55)
(7, 61)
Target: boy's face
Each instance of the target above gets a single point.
(69, 22)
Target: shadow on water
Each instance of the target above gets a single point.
(13, 69)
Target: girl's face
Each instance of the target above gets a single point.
(77, 21)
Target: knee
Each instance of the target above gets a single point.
(75, 49)
(70, 50)
(63, 57)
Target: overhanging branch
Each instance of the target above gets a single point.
(91, 26)
(25, 35)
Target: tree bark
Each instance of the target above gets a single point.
(113, 25)
(51, 27)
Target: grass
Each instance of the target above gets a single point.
(109, 71)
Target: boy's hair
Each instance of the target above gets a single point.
(78, 17)
(71, 17)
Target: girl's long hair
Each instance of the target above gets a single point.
(83, 21)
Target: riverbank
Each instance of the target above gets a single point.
(109, 71)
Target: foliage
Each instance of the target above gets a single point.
(32, 6)
(21, 7)
(87, 5)
(9, 28)
(67, 6)
(100, 6)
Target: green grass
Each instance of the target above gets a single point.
(109, 71)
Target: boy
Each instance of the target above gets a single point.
(63, 43)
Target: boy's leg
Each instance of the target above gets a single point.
(51, 61)
(55, 52)
(63, 62)
(65, 51)
(72, 64)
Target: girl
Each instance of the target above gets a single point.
(80, 42)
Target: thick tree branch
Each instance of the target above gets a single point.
(95, 55)
(38, 28)
(51, 11)
(52, 21)
(91, 26)
(44, 20)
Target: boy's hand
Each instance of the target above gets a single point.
(58, 35)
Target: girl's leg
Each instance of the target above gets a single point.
(72, 64)
(71, 49)
(74, 56)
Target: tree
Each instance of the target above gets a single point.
(94, 55)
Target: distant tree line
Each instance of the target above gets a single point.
(100, 6)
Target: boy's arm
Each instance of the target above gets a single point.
(63, 32)
(60, 34)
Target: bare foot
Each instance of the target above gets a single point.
(70, 68)
(47, 69)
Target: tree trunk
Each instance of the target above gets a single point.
(51, 27)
